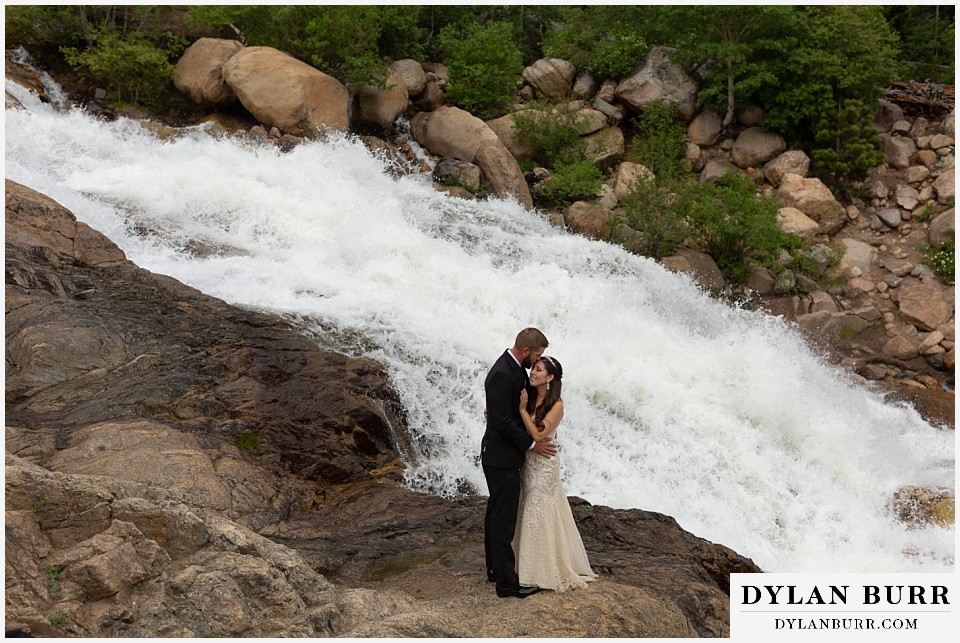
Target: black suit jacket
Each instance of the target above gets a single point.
(505, 442)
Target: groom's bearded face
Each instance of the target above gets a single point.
(532, 358)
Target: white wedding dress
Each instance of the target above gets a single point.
(548, 547)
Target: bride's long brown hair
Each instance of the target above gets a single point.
(553, 392)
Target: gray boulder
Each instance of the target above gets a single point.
(659, 80)
(551, 77)
(756, 145)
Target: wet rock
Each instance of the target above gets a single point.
(589, 220)
(920, 506)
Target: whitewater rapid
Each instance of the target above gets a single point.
(721, 418)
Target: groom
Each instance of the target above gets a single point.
(505, 445)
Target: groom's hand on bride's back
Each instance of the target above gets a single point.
(546, 448)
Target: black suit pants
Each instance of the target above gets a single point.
(500, 524)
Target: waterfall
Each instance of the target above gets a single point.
(720, 417)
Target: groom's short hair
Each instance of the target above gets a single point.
(531, 338)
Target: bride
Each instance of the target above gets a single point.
(550, 553)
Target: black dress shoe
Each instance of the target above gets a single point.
(490, 577)
(518, 592)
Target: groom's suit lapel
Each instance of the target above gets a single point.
(519, 370)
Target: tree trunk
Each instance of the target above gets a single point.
(728, 119)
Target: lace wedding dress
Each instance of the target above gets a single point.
(549, 550)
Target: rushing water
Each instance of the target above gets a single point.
(676, 403)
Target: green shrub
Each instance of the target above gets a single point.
(655, 208)
(551, 134)
(659, 143)
(484, 65)
(941, 259)
(571, 181)
(39, 506)
(847, 145)
(54, 574)
(134, 68)
(734, 225)
(249, 441)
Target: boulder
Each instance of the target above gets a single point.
(606, 147)
(890, 217)
(608, 91)
(756, 145)
(790, 162)
(439, 71)
(822, 301)
(888, 114)
(699, 265)
(940, 142)
(431, 97)
(706, 128)
(615, 112)
(199, 72)
(906, 196)
(927, 158)
(944, 186)
(923, 305)
(900, 348)
(760, 280)
(503, 173)
(917, 173)
(551, 77)
(505, 128)
(836, 327)
(814, 199)
(412, 74)
(628, 175)
(589, 220)
(381, 107)
(659, 80)
(919, 128)
(584, 86)
(459, 172)
(948, 126)
(587, 121)
(793, 221)
(857, 254)
(943, 228)
(918, 507)
(451, 131)
(716, 169)
(281, 91)
(899, 150)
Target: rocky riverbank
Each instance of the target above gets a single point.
(179, 467)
